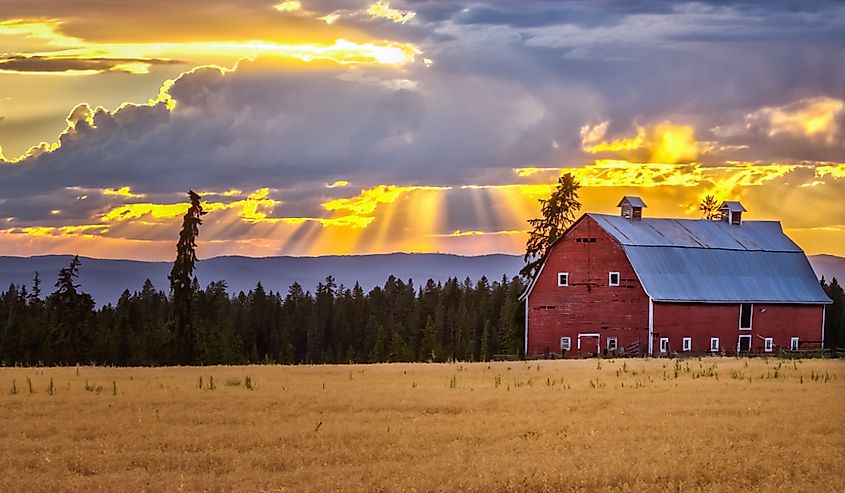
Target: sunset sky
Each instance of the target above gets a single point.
(336, 127)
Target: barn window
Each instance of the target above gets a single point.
(714, 344)
(768, 344)
(664, 344)
(611, 344)
(793, 344)
(563, 278)
(613, 279)
(565, 343)
(687, 343)
(745, 310)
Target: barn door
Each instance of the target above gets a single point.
(588, 343)
(744, 344)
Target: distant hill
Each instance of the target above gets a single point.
(106, 279)
(829, 266)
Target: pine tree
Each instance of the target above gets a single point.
(709, 208)
(35, 295)
(181, 287)
(484, 353)
(71, 310)
(834, 315)
(558, 214)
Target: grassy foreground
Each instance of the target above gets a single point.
(715, 424)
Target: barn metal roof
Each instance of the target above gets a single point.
(715, 262)
(732, 206)
(631, 200)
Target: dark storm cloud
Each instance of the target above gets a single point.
(36, 63)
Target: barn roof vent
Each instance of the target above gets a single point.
(732, 212)
(632, 207)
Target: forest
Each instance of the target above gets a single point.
(399, 321)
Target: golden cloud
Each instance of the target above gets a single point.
(666, 142)
(808, 117)
(81, 57)
(365, 203)
(122, 192)
(288, 6)
(383, 9)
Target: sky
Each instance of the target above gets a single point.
(318, 127)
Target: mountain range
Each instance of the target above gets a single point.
(106, 279)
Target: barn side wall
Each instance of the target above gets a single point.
(588, 305)
(703, 321)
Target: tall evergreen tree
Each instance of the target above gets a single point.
(71, 310)
(558, 213)
(181, 287)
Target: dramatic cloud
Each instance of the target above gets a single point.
(360, 126)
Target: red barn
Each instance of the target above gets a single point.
(633, 285)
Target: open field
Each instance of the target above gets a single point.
(715, 424)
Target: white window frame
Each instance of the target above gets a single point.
(793, 343)
(664, 341)
(768, 344)
(739, 342)
(615, 343)
(714, 348)
(687, 344)
(750, 317)
(565, 283)
(566, 343)
(610, 279)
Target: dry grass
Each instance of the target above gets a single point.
(624, 425)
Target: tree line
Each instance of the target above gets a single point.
(438, 321)
(834, 322)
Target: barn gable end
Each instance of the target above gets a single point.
(588, 304)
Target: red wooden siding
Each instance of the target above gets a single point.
(588, 304)
(703, 321)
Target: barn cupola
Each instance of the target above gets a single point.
(732, 212)
(632, 207)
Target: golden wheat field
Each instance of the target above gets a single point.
(712, 424)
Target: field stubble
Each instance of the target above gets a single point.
(712, 424)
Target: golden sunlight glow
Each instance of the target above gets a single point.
(591, 139)
(458, 233)
(288, 6)
(383, 9)
(832, 170)
(69, 231)
(330, 18)
(388, 218)
(142, 54)
(132, 67)
(338, 184)
(722, 181)
(366, 202)
(666, 143)
(727, 180)
(808, 117)
(673, 144)
(122, 192)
